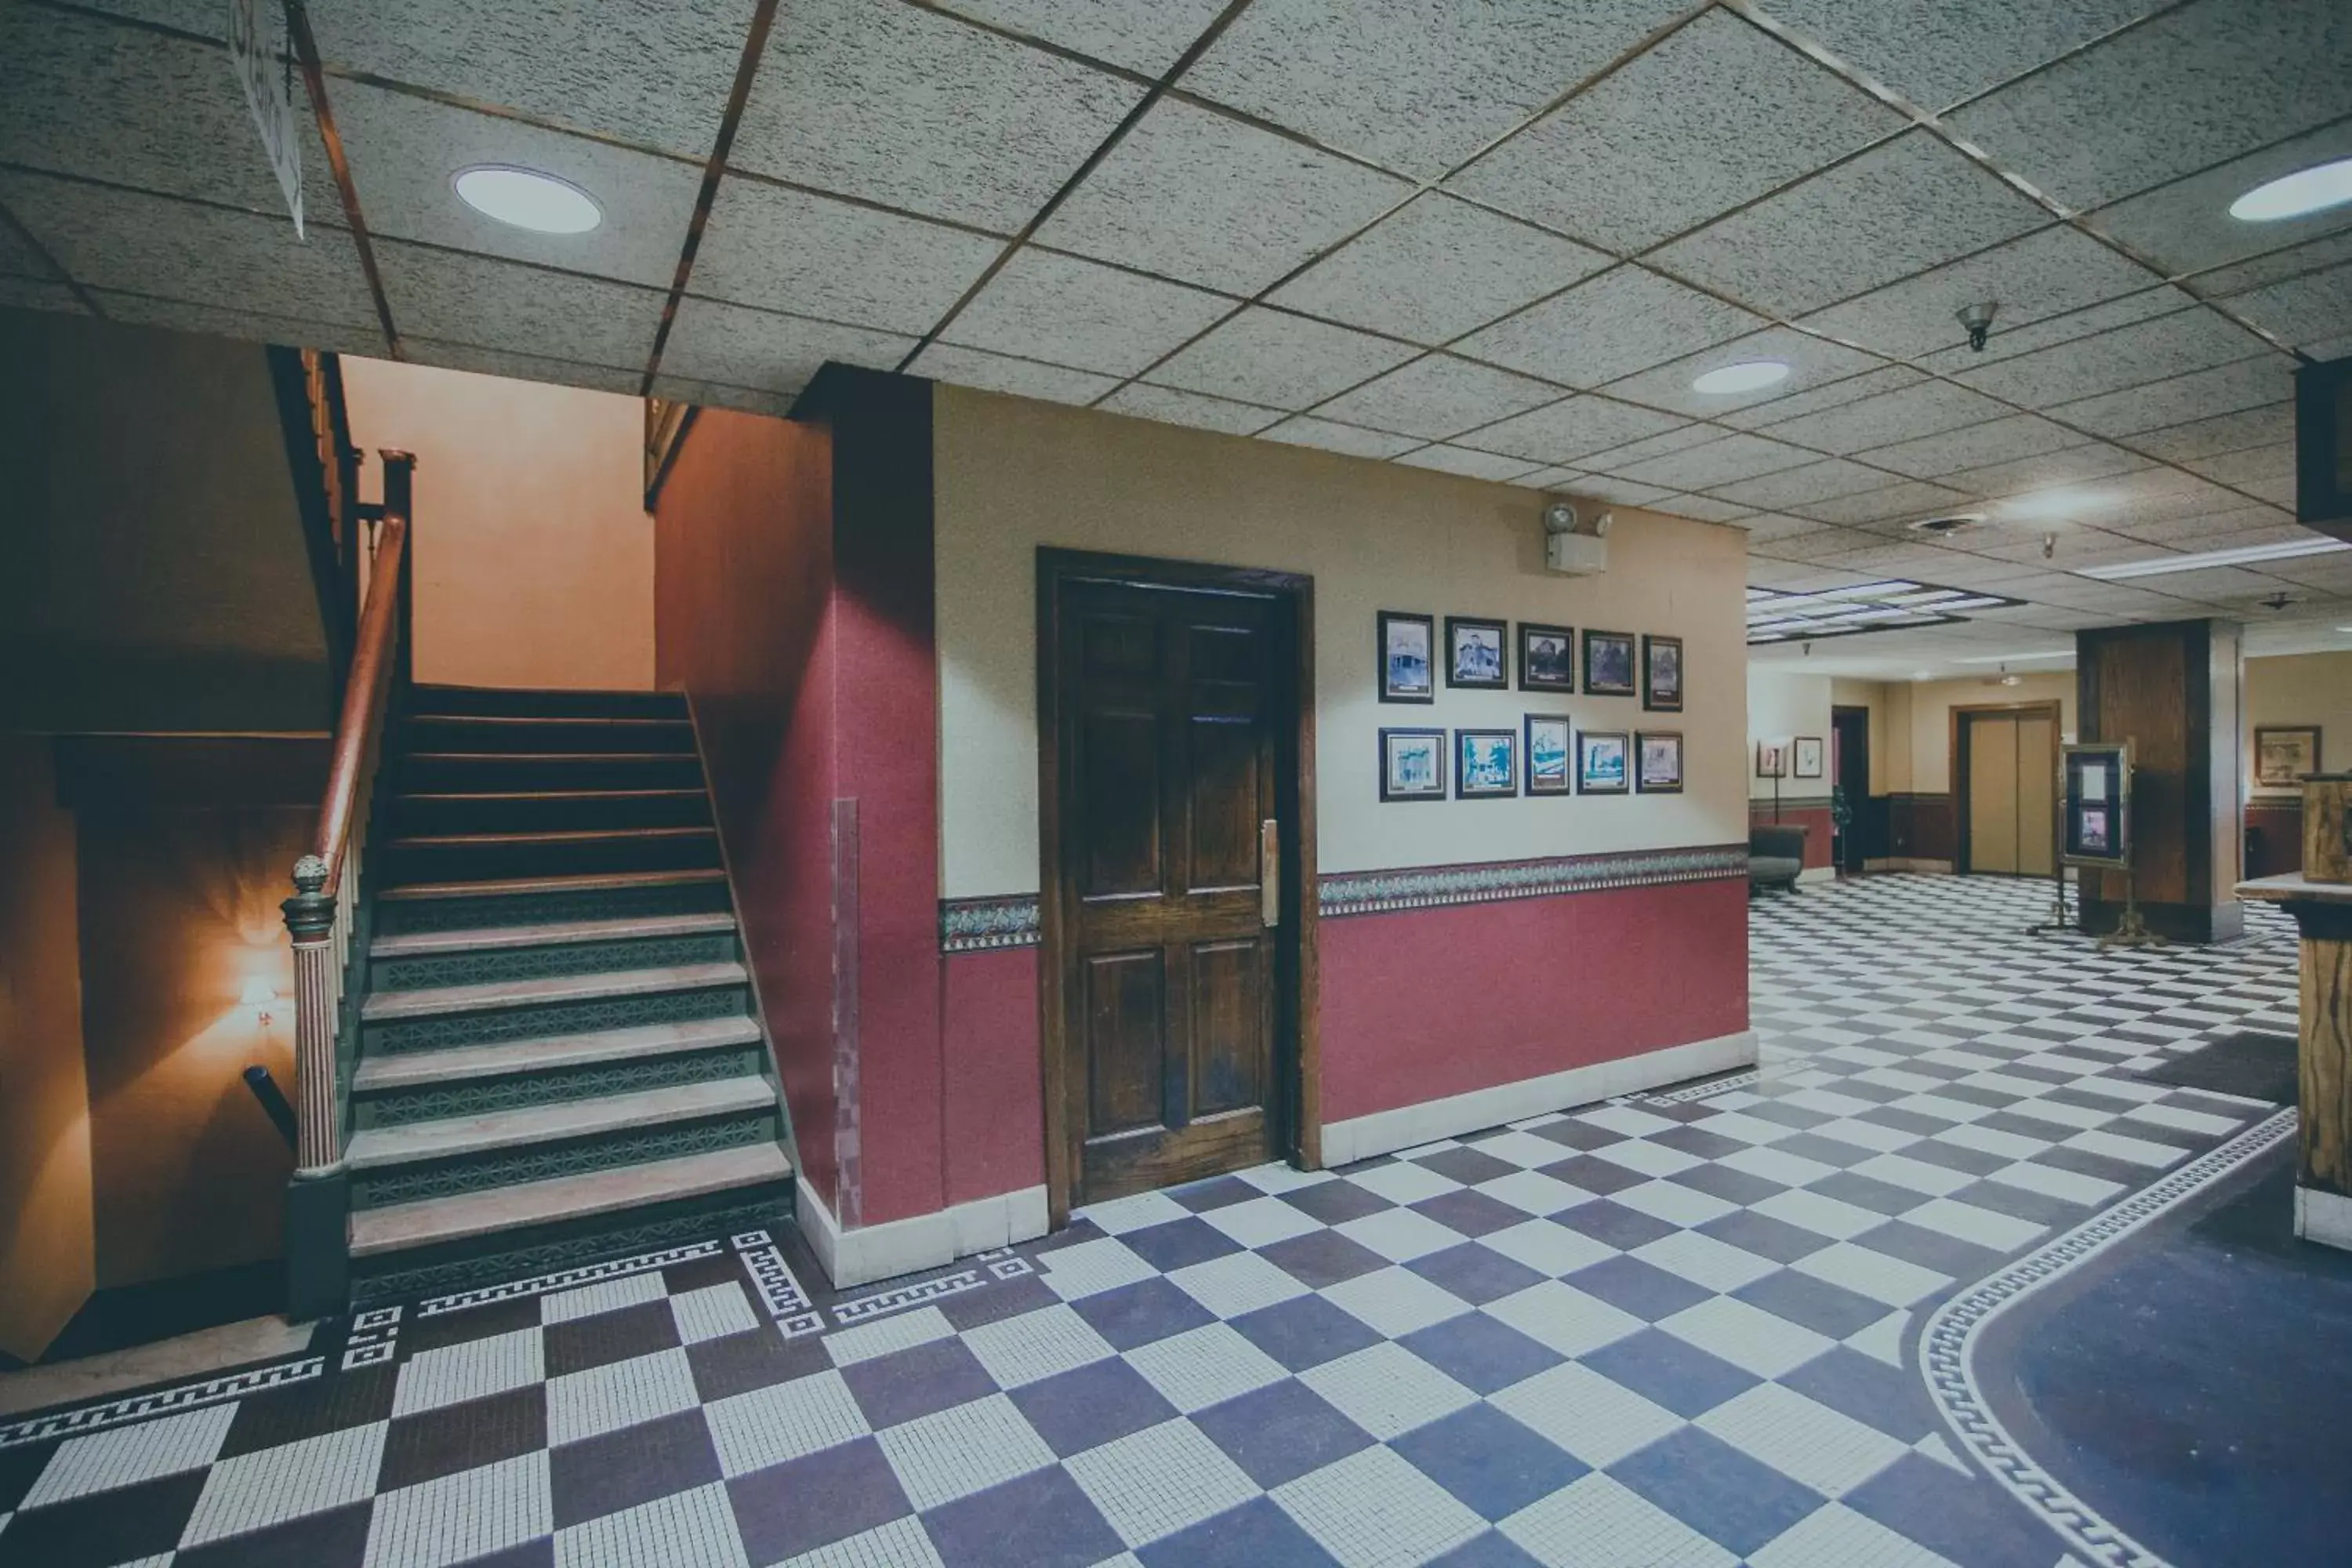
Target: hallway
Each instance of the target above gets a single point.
(1680, 1328)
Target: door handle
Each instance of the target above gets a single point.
(1269, 872)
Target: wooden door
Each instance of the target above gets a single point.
(1992, 793)
(2037, 794)
(1172, 708)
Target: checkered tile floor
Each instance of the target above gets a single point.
(1673, 1331)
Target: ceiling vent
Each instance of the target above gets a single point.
(1944, 526)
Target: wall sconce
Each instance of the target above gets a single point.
(258, 996)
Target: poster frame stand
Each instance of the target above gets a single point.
(2131, 928)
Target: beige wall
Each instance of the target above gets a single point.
(534, 553)
(1781, 707)
(47, 1257)
(1930, 705)
(1013, 474)
(2300, 688)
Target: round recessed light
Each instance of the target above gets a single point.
(1750, 376)
(527, 199)
(2299, 195)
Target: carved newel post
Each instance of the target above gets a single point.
(317, 1201)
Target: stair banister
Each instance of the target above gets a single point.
(320, 916)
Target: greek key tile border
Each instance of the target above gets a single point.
(995, 1267)
(565, 1279)
(1707, 1091)
(982, 925)
(373, 1339)
(780, 1289)
(1948, 1346)
(158, 1402)
(1431, 887)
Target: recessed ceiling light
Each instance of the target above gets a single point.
(1750, 376)
(2245, 555)
(2299, 195)
(527, 199)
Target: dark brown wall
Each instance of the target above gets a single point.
(2276, 825)
(1921, 828)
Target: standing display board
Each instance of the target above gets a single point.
(2098, 805)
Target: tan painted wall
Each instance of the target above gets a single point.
(534, 553)
(1780, 708)
(2300, 688)
(47, 1257)
(1931, 703)
(1013, 474)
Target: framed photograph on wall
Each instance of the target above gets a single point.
(1547, 657)
(1600, 761)
(1609, 664)
(1550, 746)
(1806, 757)
(2283, 753)
(1408, 662)
(1486, 764)
(1658, 762)
(1412, 764)
(1772, 760)
(1661, 673)
(1474, 652)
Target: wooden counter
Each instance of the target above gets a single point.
(2323, 914)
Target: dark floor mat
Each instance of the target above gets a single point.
(2259, 1066)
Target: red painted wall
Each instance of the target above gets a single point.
(996, 1120)
(1815, 819)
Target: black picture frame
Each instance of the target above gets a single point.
(1804, 750)
(1464, 788)
(1500, 680)
(1561, 678)
(1388, 792)
(1387, 671)
(1641, 780)
(1657, 696)
(1594, 743)
(1528, 726)
(1606, 654)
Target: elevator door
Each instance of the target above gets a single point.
(2012, 793)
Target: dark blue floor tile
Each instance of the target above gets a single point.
(614, 1470)
(1614, 1223)
(1954, 1156)
(1969, 1521)
(1663, 1369)
(1179, 1242)
(1141, 1313)
(1321, 1259)
(1571, 1133)
(1697, 1141)
(1867, 1192)
(1787, 1115)
(1216, 1193)
(1643, 1290)
(907, 1383)
(1827, 1308)
(1280, 1432)
(2019, 1204)
(1828, 1152)
(1764, 1235)
(1877, 1394)
(1594, 1175)
(1476, 1274)
(1738, 1502)
(1090, 1406)
(1492, 1463)
(1466, 1166)
(996, 1302)
(1492, 1549)
(1258, 1534)
(805, 1503)
(1723, 1182)
(1335, 1203)
(1480, 1352)
(1040, 1520)
(1471, 1212)
(1304, 1332)
(1946, 1255)
(334, 1539)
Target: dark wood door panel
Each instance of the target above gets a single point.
(1118, 804)
(1226, 800)
(1125, 1041)
(1229, 1046)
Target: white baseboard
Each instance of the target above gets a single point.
(921, 1241)
(1385, 1131)
(1817, 874)
(2323, 1218)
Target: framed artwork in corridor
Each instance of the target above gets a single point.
(1600, 763)
(1408, 665)
(1550, 752)
(1412, 764)
(1547, 657)
(1486, 764)
(1658, 762)
(1661, 673)
(1474, 652)
(1609, 664)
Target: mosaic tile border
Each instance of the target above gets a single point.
(994, 1267)
(565, 1279)
(157, 1402)
(983, 925)
(1948, 1345)
(780, 1289)
(1707, 1090)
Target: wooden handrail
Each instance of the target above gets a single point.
(365, 694)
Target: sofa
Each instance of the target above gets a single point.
(1775, 854)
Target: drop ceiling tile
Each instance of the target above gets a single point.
(506, 305)
(1468, 464)
(522, 366)
(2075, 465)
(1905, 414)
(1436, 268)
(1574, 429)
(1907, 499)
(1144, 35)
(1766, 528)
(1192, 195)
(1411, 85)
(2264, 471)
(1938, 54)
(2186, 227)
(766, 351)
(2190, 89)
(1721, 462)
(1003, 372)
(109, 239)
(2303, 311)
(251, 326)
(2276, 267)
(18, 255)
(2009, 343)
(2129, 356)
(81, 96)
(2048, 273)
(896, 104)
(1302, 430)
(1626, 319)
(1820, 399)
(1563, 482)
(809, 254)
(1811, 361)
(1910, 204)
(404, 150)
(1705, 508)
(642, 71)
(1809, 482)
(39, 294)
(1717, 115)
(1173, 408)
(2191, 531)
(1994, 441)
(1439, 396)
(1681, 438)
(1886, 560)
(1069, 311)
(1278, 360)
(1622, 492)
(2211, 437)
(718, 395)
(2225, 389)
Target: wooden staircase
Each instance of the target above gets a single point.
(559, 1057)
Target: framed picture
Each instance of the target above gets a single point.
(1807, 756)
(1412, 764)
(1486, 764)
(1547, 657)
(1474, 652)
(1609, 664)
(1772, 760)
(1550, 738)
(1658, 762)
(1661, 673)
(2283, 753)
(1408, 672)
(2093, 832)
(1600, 763)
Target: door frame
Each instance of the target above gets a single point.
(1298, 1058)
(1852, 718)
(1961, 805)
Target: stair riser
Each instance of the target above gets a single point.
(416, 1180)
(537, 813)
(478, 968)
(476, 863)
(481, 1095)
(450, 775)
(431, 735)
(448, 1029)
(394, 916)
(440, 699)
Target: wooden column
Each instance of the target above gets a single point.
(2323, 913)
(318, 1270)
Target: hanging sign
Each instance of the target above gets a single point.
(268, 94)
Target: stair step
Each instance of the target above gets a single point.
(432, 1001)
(417, 1069)
(425, 769)
(595, 882)
(551, 933)
(552, 851)
(484, 811)
(488, 841)
(444, 701)
(372, 1148)
(432, 1221)
(502, 732)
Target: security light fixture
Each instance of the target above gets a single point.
(1749, 375)
(1978, 320)
(526, 198)
(2299, 195)
(2244, 555)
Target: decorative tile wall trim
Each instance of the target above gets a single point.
(979, 925)
(994, 1267)
(1433, 887)
(566, 1279)
(158, 1402)
(780, 1289)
